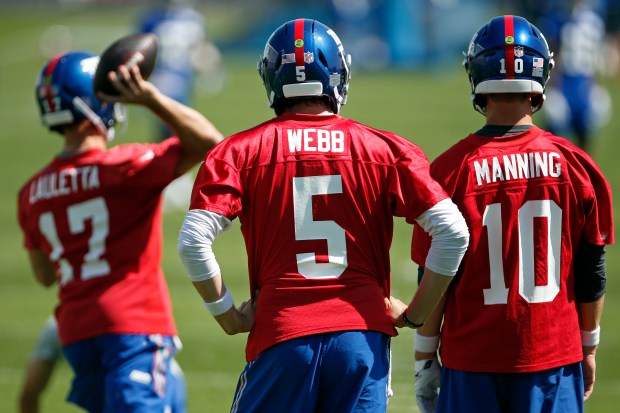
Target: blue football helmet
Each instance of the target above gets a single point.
(304, 58)
(65, 95)
(508, 55)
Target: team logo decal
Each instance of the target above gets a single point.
(308, 57)
(509, 40)
(299, 43)
(518, 51)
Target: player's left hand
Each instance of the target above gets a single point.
(589, 369)
(427, 375)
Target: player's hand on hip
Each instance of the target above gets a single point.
(237, 320)
(427, 375)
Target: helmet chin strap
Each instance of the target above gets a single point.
(93, 117)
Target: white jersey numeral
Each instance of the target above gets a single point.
(532, 293)
(93, 265)
(306, 228)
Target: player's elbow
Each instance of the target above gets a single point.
(453, 231)
(450, 240)
(460, 234)
(202, 139)
(184, 249)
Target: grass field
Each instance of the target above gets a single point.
(432, 110)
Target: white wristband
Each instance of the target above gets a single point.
(425, 344)
(222, 305)
(591, 338)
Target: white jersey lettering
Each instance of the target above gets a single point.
(517, 166)
(315, 140)
(64, 182)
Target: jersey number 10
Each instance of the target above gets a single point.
(532, 293)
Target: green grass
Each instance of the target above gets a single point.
(431, 110)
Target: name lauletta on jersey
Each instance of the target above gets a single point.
(64, 182)
(315, 140)
(517, 166)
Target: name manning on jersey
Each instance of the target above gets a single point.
(64, 182)
(517, 166)
(315, 140)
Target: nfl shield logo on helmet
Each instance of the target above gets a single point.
(518, 51)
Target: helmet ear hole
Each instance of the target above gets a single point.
(278, 62)
(537, 102)
(480, 101)
(323, 59)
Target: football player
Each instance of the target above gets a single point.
(578, 105)
(91, 221)
(186, 59)
(46, 355)
(184, 49)
(316, 194)
(521, 320)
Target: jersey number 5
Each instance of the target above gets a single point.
(93, 265)
(307, 228)
(532, 293)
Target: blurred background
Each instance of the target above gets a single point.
(407, 78)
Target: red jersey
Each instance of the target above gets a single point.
(98, 217)
(316, 196)
(529, 199)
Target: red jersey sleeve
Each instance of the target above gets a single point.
(217, 187)
(413, 171)
(145, 165)
(594, 189)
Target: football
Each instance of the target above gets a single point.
(134, 49)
